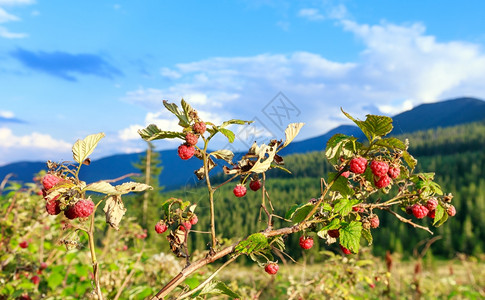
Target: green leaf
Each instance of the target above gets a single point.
(391, 143)
(289, 214)
(334, 224)
(192, 282)
(350, 234)
(374, 126)
(439, 214)
(340, 185)
(101, 187)
(291, 132)
(187, 110)
(54, 280)
(173, 108)
(367, 235)
(261, 259)
(344, 206)
(83, 148)
(301, 212)
(253, 243)
(410, 160)
(228, 134)
(339, 144)
(152, 132)
(234, 121)
(218, 288)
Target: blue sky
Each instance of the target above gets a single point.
(73, 68)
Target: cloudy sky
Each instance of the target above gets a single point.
(73, 68)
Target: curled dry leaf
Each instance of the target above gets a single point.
(114, 210)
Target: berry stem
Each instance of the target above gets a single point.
(404, 220)
(94, 261)
(211, 194)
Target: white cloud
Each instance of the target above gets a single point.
(6, 17)
(7, 114)
(166, 72)
(8, 140)
(16, 2)
(311, 14)
(5, 33)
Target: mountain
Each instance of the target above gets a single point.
(175, 175)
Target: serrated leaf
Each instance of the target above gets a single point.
(374, 126)
(101, 187)
(289, 214)
(131, 186)
(224, 154)
(344, 206)
(439, 213)
(391, 143)
(291, 132)
(301, 212)
(253, 243)
(350, 234)
(367, 235)
(278, 243)
(261, 259)
(334, 224)
(410, 160)
(341, 145)
(83, 148)
(187, 110)
(153, 132)
(264, 163)
(341, 185)
(114, 210)
(218, 288)
(173, 108)
(442, 220)
(228, 134)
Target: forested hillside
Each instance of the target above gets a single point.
(455, 154)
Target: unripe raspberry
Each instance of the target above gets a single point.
(24, 244)
(420, 211)
(194, 220)
(53, 206)
(345, 250)
(306, 242)
(451, 211)
(161, 227)
(394, 172)
(432, 213)
(49, 181)
(409, 210)
(379, 168)
(191, 138)
(333, 233)
(358, 165)
(382, 182)
(69, 213)
(185, 151)
(239, 190)
(374, 222)
(255, 185)
(431, 204)
(83, 208)
(199, 127)
(271, 268)
(185, 226)
(35, 279)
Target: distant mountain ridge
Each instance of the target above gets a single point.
(175, 175)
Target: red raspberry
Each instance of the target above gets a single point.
(451, 211)
(43, 266)
(420, 211)
(199, 127)
(379, 168)
(49, 181)
(255, 185)
(333, 233)
(374, 222)
(25, 297)
(161, 227)
(83, 208)
(185, 151)
(432, 213)
(185, 225)
(35, 279)
(191, 138)
(53, 207)
(69, 213)
(239, 190)
(306, 242)
(358, 165)
(431, 204)
(271, 268)
(382, 182)
(345, 250)
(194, 220)
(24, 244)
(358, 208)
(394, 172)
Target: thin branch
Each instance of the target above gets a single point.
(404, 220)
(122, 177)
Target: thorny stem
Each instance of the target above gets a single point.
(211, 194)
